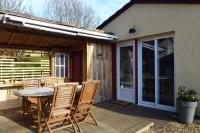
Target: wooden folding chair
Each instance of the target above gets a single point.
(86, 99)
(49, 82)
(30, 83)
(29, 103)
(59, 116)
(68, 83)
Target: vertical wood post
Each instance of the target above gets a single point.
(85, 71)
(114, 92)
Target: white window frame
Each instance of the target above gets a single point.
(149, 104)
(126, 90)
(59, 65)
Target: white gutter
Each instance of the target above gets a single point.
(93, 36)
(48, 29)
(35, 24)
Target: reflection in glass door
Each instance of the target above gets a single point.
(126, 67)
(148, 72)
(156, 73)
(166, 71)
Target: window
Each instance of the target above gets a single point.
(62, 65)
(157, 72)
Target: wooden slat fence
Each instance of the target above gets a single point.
(16, 70)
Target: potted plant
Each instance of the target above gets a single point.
(187, 104)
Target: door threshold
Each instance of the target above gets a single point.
(162, 107)
(120, 102)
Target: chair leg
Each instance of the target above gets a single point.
(76, 123)
(48, 127)
(72, 124)
(24, 105)
(45, 122)
(93, 119)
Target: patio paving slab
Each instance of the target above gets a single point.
(112, 118)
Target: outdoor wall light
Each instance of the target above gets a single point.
(132, 30)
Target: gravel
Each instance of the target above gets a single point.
(174, 127)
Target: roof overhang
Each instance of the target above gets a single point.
(166, 1)
(10, 19)
(133, 2)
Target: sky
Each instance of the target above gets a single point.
(103, 8)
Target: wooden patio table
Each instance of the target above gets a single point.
(39, 93)
(8, 86)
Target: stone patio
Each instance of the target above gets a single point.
(112, 118)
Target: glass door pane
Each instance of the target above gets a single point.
(126, 67)
(148, 71)
(166, 71)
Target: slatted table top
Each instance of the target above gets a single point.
(39, 92)
(35, 92)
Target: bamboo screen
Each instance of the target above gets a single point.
(19, 64)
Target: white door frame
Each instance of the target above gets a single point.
(130, 91)
(60, 64)
(150, 104)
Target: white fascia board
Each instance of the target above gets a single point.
(39, 23)
(92, 36)
(60, 28)
(95, 33)
(48, 29)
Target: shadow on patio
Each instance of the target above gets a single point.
(112, 118)
(159, 117)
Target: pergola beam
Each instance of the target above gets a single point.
(55, 40)
(27, 39)
(35, 33)
(5, 45)
(40, 42)
(11, 38)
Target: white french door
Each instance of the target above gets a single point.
(156, 73)
(126, 72)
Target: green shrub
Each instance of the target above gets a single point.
(187, 95)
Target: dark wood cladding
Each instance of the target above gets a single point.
(114, 92)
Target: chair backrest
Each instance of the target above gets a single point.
(63, 96)
(61, 80)
(87, 95)
(49, 82)
(68, 83)
(29, 83)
